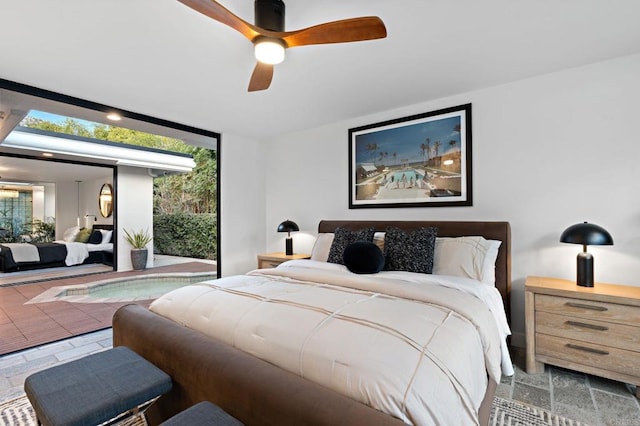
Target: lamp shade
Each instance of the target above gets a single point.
(586, 234)
(288, 226)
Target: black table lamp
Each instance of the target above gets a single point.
(288, 227)
(586, 234)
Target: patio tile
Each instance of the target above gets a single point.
(85, 327)
(9, 330)
(24, 326)
(31, 291)
(43, 323)
(8, 345)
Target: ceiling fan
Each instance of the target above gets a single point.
(270, 40)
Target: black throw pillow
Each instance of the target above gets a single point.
(342, 237)
(95, 237)
(363, 257)
(410, 251)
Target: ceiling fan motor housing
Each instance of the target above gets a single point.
(269, 14)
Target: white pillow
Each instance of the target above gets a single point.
(106, 236)
(489, 267)
(321, 247)
(378, 239)
(469, 257)
(71, 233)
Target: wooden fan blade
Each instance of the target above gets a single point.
(215, 10)
(261, 77)
(346, 30)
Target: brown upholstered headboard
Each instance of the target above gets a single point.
(489, 230)
(103, 226)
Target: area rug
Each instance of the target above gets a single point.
(504, 412)
(18, 412)
(507, 412)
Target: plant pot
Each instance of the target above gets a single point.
(139, 259)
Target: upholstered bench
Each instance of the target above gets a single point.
(203, 414)
(95, 389)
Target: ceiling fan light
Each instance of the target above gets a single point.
(269, 51)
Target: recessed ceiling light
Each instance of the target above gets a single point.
(47, 154)
(114, 117)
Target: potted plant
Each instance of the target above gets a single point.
(138, 241)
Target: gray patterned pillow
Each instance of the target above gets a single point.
(410, 251)
(342, 237)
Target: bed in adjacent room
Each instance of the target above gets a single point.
(73, 250)
(417, 336)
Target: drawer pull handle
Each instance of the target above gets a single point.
(585, 325)
(590, 307)
(586, 349)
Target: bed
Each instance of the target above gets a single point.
(27, 256)
(258, 389)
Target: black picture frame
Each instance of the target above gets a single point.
(422, 160)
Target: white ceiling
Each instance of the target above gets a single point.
(40, 172)
(159, 58)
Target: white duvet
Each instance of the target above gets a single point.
(416, 346)
(76, 253)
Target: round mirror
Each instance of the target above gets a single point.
(105, 200)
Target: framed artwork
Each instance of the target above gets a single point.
(419, 161)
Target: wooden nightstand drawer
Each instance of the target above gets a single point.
(589, 354)
(587, 330)
(262, 264)
(589, 309)
(595, 330)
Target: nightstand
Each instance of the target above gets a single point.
(595, 330)
(271, 260)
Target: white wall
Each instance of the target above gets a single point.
(49, 201)
(38, 202)
(242, 164)
(134, 198)
(89, 192)
(548, 152)
(67, 204)
(66, 207)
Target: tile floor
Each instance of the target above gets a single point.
(588, 399)
(593, 400)
(16, 367)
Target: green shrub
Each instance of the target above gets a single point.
(186, 235)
